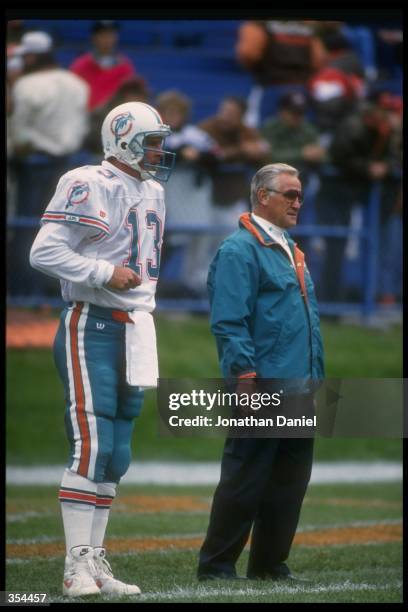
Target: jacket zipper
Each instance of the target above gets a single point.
(304, 303)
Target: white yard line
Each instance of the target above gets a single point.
(201, 592)
(188, 473)
(37, 540)
(22, 517)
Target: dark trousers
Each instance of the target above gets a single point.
(263, 483)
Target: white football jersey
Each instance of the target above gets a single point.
(112, 219)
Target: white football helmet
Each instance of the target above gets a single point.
(124, 133)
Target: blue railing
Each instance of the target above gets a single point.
(368, 235)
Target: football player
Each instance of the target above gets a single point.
(101, 235)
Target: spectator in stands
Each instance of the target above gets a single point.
(292, 137)
(363, 151)
(338, 51)
(133, 89)
(240, 150)
(48, 123)
(337, 87)
(103, 68)
(188, 195)
(367, 145)
(389, 51)
(49, 104)
(15, 31)
(390, 256)
(276, 53)
(15, 65)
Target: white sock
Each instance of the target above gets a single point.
(78, 499)
(105, 494)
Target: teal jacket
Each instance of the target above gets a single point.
(264, 315)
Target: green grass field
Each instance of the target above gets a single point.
(35, 427)
(349, 542)
(155, 533)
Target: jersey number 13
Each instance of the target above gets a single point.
(134, 261)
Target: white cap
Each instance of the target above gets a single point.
(34, 42)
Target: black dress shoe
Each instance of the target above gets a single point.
(220, 576)
(285, 577)
(278, 577)
(281, 572)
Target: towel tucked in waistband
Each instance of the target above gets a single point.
(142, 368)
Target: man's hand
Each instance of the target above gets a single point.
(377, 170)
(190, 154)
(254, 150)
(123, 279)
(246, 386)
(313, 153)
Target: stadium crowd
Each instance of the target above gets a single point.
(314, 104)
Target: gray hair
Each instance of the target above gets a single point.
(267, 177)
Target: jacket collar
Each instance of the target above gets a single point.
(246, 221)
(256, 230)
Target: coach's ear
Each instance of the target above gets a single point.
(263, 196)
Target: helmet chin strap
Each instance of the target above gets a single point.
(144, 176)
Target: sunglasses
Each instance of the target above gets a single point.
(291, 194)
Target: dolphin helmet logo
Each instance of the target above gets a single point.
(121, 125)
(77, 193)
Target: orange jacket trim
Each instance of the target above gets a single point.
(299, 256)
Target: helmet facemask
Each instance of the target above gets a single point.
(138, 147)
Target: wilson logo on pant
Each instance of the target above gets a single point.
(100, 326)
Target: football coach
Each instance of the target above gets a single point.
(265, 320)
